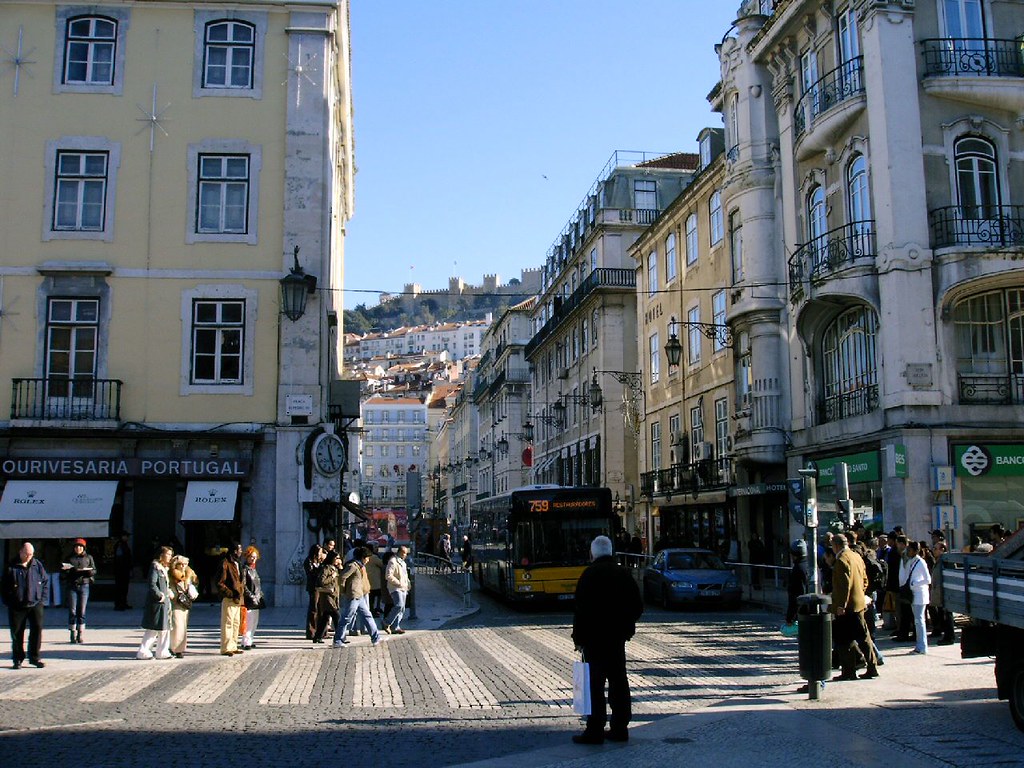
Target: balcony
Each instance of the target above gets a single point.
(857, 402)
(991, 389)
(830, 254)
(984, 226)
(693, 478)
(975, 70)
(599, 278)
(66, 400)
(828, 106)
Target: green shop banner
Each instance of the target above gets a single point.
(989, 460)
(864, 467)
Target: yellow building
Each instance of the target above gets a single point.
(175, 161)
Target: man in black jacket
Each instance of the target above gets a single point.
(26, 589)
(608, 604)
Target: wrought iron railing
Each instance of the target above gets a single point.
(991, 389)
(972, 57)
(833, 88)
(63, 399)
(857, 402)
(985, 225)
(695, 477)
(733, 154)
(833, 251)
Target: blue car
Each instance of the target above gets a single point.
(690, 576)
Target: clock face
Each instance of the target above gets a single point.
(329, 454)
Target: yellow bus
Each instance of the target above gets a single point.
(543, 535)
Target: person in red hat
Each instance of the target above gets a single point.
(79, 571)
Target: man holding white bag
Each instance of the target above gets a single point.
(608, 605)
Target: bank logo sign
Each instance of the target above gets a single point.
(989, 460)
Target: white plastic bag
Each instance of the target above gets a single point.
(581, 688)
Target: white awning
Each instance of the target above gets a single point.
(56, 509)
(209, 500)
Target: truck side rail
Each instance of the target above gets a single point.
(984, 587)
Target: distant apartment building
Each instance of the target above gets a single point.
(174, 163)
(454, 341)
(394, 444)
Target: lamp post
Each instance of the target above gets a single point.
(295, 289)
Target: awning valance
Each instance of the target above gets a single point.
(209, 501)
(56, 509)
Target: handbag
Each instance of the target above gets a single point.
(184, 598)
(906, 593)
(581, 688)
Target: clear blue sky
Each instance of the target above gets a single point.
(481, 124)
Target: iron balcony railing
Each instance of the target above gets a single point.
(856, 402)
(832, 252)
(984, 225)
(972, 57)
(63, 399)
(733, 154)
(599, 278)
(991, 389)
(833, 88)
(695, 477)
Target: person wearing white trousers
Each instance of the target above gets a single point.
(253, 597)
(156, 614)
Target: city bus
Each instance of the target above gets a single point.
(543, 535)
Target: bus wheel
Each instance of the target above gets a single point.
(1017, 695)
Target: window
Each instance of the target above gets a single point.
(593, 259)
(368, 452)
(989, 333)
(721, 426)
(715, 217)
(584, 345)
(675, 437)
(652, 273)
(81, 191)
(809, 81)
(696, 429)
(849, 366)
(734, 126)
(977, 178)
(72, 333)
(593, 327)
(849, 51)
(228, 55)
(645, 194)
(736, 245)
(217, 330)
(704, 147)
(857, 189)
(223, 193)
(963, 19)
(655, 446)
(693, 335)
(718, 318)
(655, 357)
(744, 373)
(817, 224)
(224, 185)
(670, 257)
(90, 43)
(691, 239)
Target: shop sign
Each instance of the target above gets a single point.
(989, 460)
(757, 489)
(861, 468)
(82, 468)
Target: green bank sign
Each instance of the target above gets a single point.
(989, 460)
(864, 467)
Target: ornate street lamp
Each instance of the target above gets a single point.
(295, 289)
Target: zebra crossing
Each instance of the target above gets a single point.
(475, 669)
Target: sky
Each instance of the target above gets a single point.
(480, 125)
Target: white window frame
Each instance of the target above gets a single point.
(218, 293)
(655, 446)
(671, 268)
(696, 428)
(221, 331)
(259, 22)
(233, 47)
(692, 243)
(654, 347)
(64, 15)
(645, 190)
(715, 222)
(693, 336)
(736, 245)
(718, 314)
(721, 426)
(224, 147)
(652, 273)
(83, 145)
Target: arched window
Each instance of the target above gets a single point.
(817, 223)
(977, 178)
(715, 217)
(670, 257)
(734, 125)
(989, 333)
(849, 365)
(691, 239)
(228, 52)
(89, 50)
(859, 200)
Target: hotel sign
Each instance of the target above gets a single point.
(92, 468)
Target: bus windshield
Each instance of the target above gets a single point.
(565, 541)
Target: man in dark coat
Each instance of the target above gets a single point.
(798, 580)
(122, 571)
(26, 588)
(608, 605)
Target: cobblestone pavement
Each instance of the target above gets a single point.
(491, 685)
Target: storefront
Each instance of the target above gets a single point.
(990, 477)
(761, 510)
(708, 522)
(864, 475)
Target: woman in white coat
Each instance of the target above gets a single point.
(914, 573)
(156, 614)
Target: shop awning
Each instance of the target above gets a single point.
(56, 509)
(355, 509)
(209, 501)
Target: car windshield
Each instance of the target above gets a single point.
(688, 561)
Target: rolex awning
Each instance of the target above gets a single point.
(355, 509)
(56, 509)
(209, 501)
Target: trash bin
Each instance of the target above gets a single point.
(814, 637)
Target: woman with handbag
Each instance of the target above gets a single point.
(183, 586)
(156, 614)
(914, 586)
(253, 597)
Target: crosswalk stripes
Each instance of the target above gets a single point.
(550, 688)
(461, 686)
(376, 684)
(294, 683)
(123, 687)
(214, 681)
(39, 685)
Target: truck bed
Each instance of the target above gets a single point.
(984, 587)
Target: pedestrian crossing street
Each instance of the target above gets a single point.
(671, 667)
